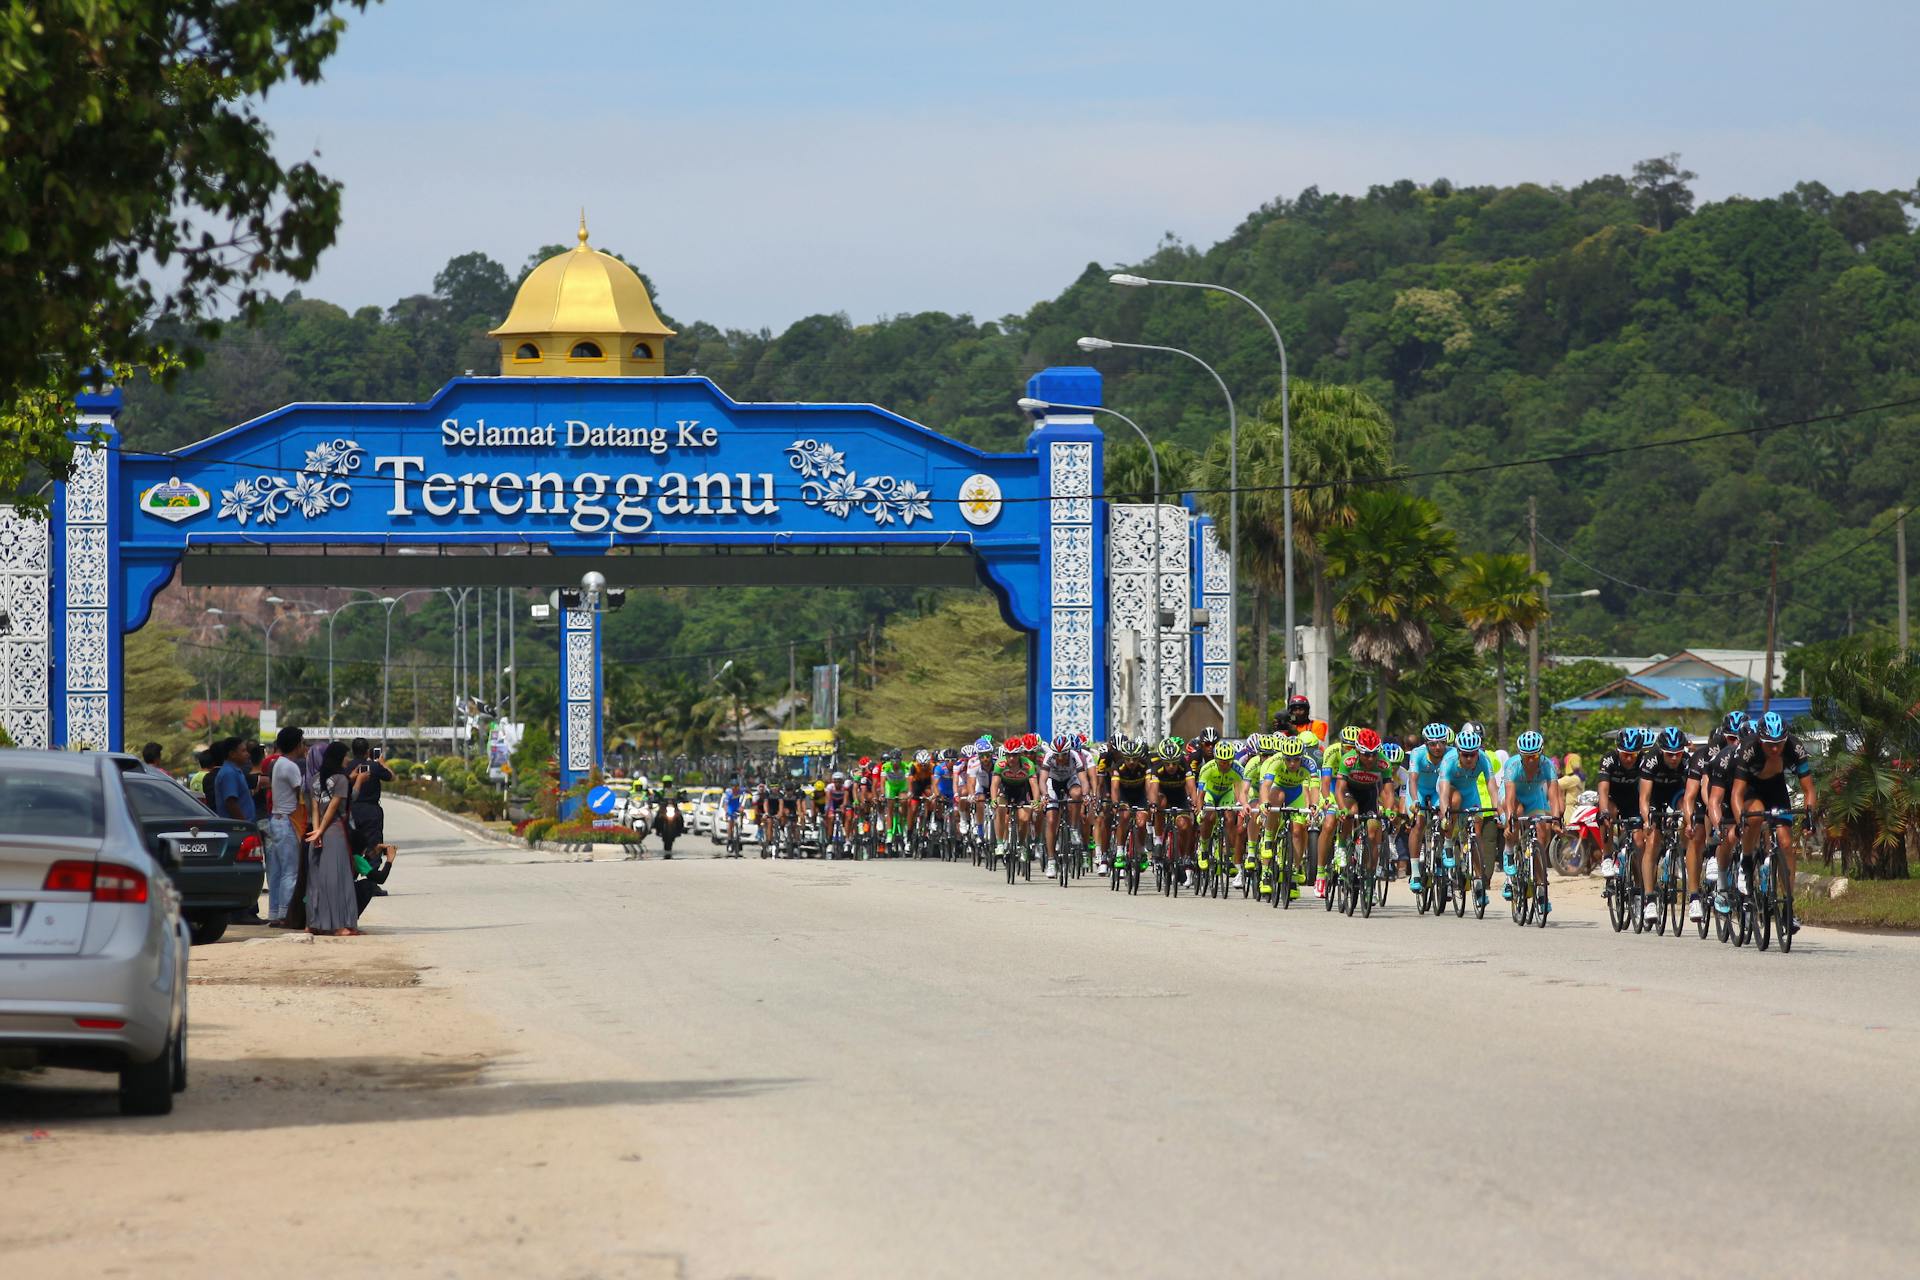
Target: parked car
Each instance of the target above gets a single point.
(93, 945)
(218, 864)
(703, 803)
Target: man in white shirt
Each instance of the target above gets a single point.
(288, 783)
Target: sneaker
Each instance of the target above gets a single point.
(1711, 874)
(1694, 912)
(1506, 865)
(1293, 893)
(1414, 884)
(1506, 890)
(1239, 881)
(1186, 880)
(1651, 912)
(1721, 902)
(1049, 871)
(1479, 897)
(1266, 889)
(1320, 887)
(1793, 925)
(1609, 868)
(1740, 881)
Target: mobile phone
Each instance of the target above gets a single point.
(374, 754)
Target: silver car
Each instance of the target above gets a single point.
(93, 948)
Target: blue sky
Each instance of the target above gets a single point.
(767, 161)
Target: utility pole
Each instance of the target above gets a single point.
(1900, 574)
(1533, 632)
(791, 686)
(1773, 613)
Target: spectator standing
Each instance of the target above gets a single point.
(150, 760)
(231, 793)
(285, 823)
(369, 833)
(331, 908)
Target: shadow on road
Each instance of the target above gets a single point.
(280, 1093)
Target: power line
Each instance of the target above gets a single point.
(1804, 571)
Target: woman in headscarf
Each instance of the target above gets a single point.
(331, 908)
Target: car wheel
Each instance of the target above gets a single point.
(207, 929)
(180, 1059)
(146, 1088)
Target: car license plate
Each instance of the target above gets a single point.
(195, 848)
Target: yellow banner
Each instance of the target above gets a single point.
(806, 742)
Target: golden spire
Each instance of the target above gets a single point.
(582, 246)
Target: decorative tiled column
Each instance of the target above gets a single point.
(23, 640)
(85, 608)
(580, 736)
(1130, 574)
(1215, 657)
(1070, 475)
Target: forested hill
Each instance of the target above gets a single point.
(1494, 323)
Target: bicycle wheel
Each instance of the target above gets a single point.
(1786, 921)
(1662, 896)
(1461, 883)
(1762, 920)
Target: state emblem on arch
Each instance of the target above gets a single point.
(175, 501)
(980, 499)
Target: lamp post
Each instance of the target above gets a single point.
(1286, 435)
(1533, 674)
(1030, 405)
(386, 663)
(1233, 518)
(335, 617)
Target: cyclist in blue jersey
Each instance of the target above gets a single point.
(1423, 763)
(1530, 792)
(1461, 775)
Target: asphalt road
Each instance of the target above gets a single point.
(886, 1069)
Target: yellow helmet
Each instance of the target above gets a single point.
(1292, 746)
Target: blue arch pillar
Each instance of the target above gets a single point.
(581, 735)
(1066, 655)
(86, 613)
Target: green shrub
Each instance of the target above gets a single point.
(537, 830)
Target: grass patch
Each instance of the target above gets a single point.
(1873, 904)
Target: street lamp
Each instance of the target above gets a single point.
(330, 621)
(1533, 665)
(386, 664)
(1030, 405)
(1233, 519)
(1286, 434)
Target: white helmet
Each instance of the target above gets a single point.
(923, 756)
(839, 776)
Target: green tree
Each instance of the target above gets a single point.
(1661, 192)
(1868, 693)
(129, 136)
(945, 677)
(1391, 564)
(1500, 601)
(157, 693)
(1129, 473)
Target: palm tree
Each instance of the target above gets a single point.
(1500, 600)
(1129, 475)
(1868, 693)
(1340, 434)
(737, 685)
(1390, 565)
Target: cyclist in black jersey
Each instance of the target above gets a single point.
(1170, 787)
(1693, 802)
(1663, 782)
(1761, 776)
(1129, 781)
(1619, 774)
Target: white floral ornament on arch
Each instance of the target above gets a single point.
(265, 498)
(837, 491)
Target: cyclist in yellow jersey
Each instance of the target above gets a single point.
(1331, 765)
(1289, 778)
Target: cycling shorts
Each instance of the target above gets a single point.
(1176, 799)
(1062, 788)
(1366, 800)
(1217, 799)
(919, 787)
(1017, 792)
(894, 790)
(1134, 794)
(1771, 792)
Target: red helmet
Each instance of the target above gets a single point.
(865, 761)
(1367, 740)
(1031, 741)
(1015, 743)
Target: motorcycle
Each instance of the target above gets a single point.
(1581, 845)
(669, 822)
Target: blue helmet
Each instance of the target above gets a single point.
(1629, 739)
(1735, 722)
(1467, 741)
(1435, 732)
(1772, 727)
(1671, 739)
(1530, 742)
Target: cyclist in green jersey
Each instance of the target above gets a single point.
(1222, 787)
(1332, 766)
(1289, 780)
(893, 787)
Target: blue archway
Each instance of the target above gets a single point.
(585, 465)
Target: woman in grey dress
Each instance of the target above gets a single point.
(332, 910)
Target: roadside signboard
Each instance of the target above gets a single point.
(601, 800)
(806, 742)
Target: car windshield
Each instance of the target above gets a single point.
(51, 802)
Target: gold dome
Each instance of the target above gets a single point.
(582, 312)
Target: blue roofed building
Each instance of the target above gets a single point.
(1692, 702)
